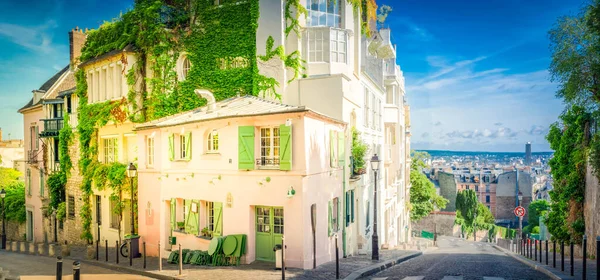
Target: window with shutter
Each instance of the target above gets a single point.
(187, 154)
(347, 204)
(329, 218)
(173, 214)
(285, 138)
(172, 147)
(218, 212)
(352, 206)
(246, 147)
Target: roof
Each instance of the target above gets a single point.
(128, 48)
(66, 92)
(45, 87)
(241, 106)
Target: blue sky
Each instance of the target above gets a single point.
(475, 71)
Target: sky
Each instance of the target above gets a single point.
(476, 71)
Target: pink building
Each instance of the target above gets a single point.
(243, 166)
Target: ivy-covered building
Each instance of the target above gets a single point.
(328, 57)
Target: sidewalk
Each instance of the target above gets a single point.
(555, 272)
(256, 270)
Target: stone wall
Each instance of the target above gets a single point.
(591, 209)
(505, 206)
(441, 222)
(15, 231)
(72, 227)
(448, 190)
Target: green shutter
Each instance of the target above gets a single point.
(341, 149)
(188, 146)
(246, 147)
(173, 214)
(171, 147)
(332, 158)
(187, 203)
(329, 218)
(347, 207)
(218, 224)
(285, 156)
(352, 205)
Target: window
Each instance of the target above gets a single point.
(69, 105)
(183, 67)
(390, 95)
(487, 188)
(316, 46)
(269, 146)
(374, 110)
(476, 188)
(182, 142)
(324, 13)
(150, 151)
(338, 46)
(487, 199)
(334, 216)
(110, 150)
(99, 209)
(210, 215)
(349, 207)
(367, 110)
(115, 219)
(278, 220)
(213, 141)
(57, 111)
(379, 119)
(33, 138)
(71, 207)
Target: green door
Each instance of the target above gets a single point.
(269, 231)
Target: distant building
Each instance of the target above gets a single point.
(510, 184)
(528, 153)
(11, 153)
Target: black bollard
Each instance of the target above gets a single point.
(97, 249)
(584, 275)
(530, 246)
(76, 272)
(59, 263)
(144, 248)
(572, 258)
(541, 251)
(106, 250)
(546, 251)
(554, 253)
(130, 253)
(337, 259)
(597, 257)
(562, 255)
(180, 261)
(117, 251)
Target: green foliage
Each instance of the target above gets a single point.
(536, 209)
(8, 176)
(359, 151)
(484, 220)
(423, 196)
(15, 201)
(384, 11)
(568, 138)
(56, 185)
(467, 206)
(61, 211)
(292, 22)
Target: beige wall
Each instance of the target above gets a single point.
(33, 199)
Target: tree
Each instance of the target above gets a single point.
(15, 202)
(384, 11)
(485, 219)
(423, 196)
(8, 176)
(575, 57)
(466, 210)
(536, 209)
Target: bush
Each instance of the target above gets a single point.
(15, 202)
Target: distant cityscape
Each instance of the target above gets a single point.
(501, 180)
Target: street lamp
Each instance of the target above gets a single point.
(3, 195)
(131, 173)
(375, 238)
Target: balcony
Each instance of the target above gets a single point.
(52, 127)
(267, 163)
(32, 156)
(325, 44)
(373, 67)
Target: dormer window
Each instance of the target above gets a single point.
(183, 67)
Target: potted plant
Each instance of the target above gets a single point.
(206, 233)
(359, 151)
(181, 226)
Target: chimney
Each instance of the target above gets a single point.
(76, 41)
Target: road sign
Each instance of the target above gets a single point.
(519, 211)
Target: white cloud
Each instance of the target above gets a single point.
(35, 38)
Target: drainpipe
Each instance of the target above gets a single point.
(345, 200)
(211, 103)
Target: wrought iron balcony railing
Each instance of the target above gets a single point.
(52, 127)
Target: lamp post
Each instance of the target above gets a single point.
(375, 238)
(2, 195)
(131, 173)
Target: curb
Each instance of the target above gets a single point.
(540, 268)
(130, 270)
(370, 270)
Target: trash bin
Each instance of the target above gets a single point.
(278, 256)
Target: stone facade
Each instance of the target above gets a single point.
(506, 194)
(591, 208)
(15, 231)
(440, 222)
(73, 224)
